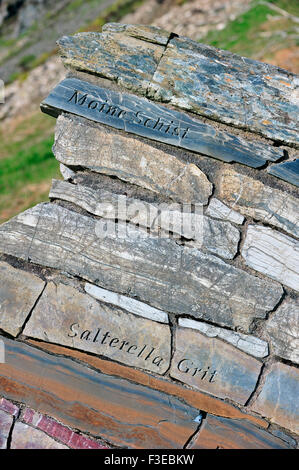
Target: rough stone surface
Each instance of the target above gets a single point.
(195, 398)
(220, 211)
(222, 433)
(104, 151)
(130, 60)
(283, 329)
(252, 198)
(213, 366)
(278, 399)
(218, 237)
(9, 407)
(147, 119)
(247, 343)
(26, 437)
(66, 172)
(6, 422)
(126, 303)
(154, 270)
(272, 253)
(65, 316)
(59, 432)
(19, 291)
(121, 411)
(192, 76)
(287, 171)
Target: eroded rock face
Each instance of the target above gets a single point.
(283, 330)
(65, 316)
(278, 399)
(19, 290)
(156, 270)
(213, 366)
(272, 253)
(104, 151)
(254, 199)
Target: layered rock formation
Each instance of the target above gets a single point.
(165, 266)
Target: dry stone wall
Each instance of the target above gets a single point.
(165, 266)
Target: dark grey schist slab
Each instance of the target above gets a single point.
(192, 76)
(145, 118)
(288, 171)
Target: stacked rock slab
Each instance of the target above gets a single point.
(159, 286)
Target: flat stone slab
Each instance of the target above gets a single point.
(253, 198)
(283, 330)
(219, 210)
(272, 253)
(126, 303)
(67, 317)
(26, 437)
(154, 270)
(247, 343)
(213, 366)
(192, 76)
(287, 171)
(104, 151)
(19, 291)
(148, 119)
(122, 412)
(218, 237)
(278, 399)
(6, 422)
(223, 433)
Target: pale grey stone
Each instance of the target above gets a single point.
(70, 318)
(126, 259)
(247, 343)
(219, 210)
(213, 366)
(218, 237)
(104, 150)
(66, 172)
(27, 437)
(126, 303)
(272, 253)
(253, 198)
(278, 398)
(19, 291)
(283, 329)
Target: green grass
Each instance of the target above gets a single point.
(26, 167)
(244, 35)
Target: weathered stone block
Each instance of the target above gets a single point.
(121, 411)
(104, 151)
(253, 198)
(278, 399)
(65, 316)
(154, 270)
(287, 171)
(272, 253)
(19, 291)
(147, 119)
(26, 437)
(126, 303)
(220, 211)
(6, 422)
(223, 433)
(207, 81)
(218, 237)
(283, 329)
(213, 366)
(247, 343)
